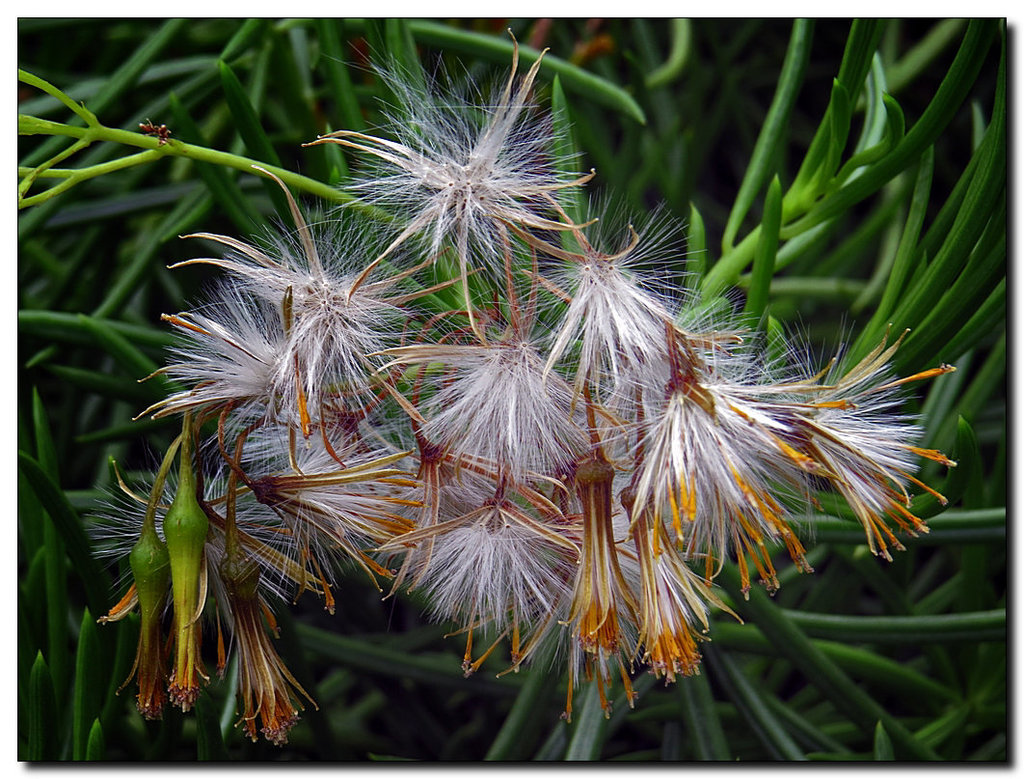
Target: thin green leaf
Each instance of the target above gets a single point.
(792, 642)
(105, 385)
(95, 582)
(209, 742)
(293, 653)
(681, 44)
(814, 173)
(702, 722)
(329, 32)
(554, 746)
(499, 50)
(125, 647)
(671, 743)
(124, 352)
(290, 61)
(958, 301)
(126, 76)
(985, 380)
(30, 522)
(967, 476)
(189, 210)
(510, 743)
(436, 670)
(894, 132)
(839, 116)
(401, 49)
(860, 49)
(46, 451)
(748, 700)
(949, 96)
(566, 161)
(248, 34)
(904, 253)
(939, 731)
(587, 730)
(952, 527)
(913, 63)
(988, 318)
(96, 746)
(221, 186)
(940, 628)
(30, 616)
(250, 130)
(883, 744)
(697, 259)
(875, 113)
(55, 565)
(764, 255)
(824, 152)
(774, 130)
(42, 714)
(90, 680)
(803, 730)
(864, 665)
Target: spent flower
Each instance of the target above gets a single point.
(460, 172)
(571, 457)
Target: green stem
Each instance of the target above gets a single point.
(73, 176)
(30, 125)
(149, 522)
(669, 70)
(32, 80)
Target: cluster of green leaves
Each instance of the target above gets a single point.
(841, 175)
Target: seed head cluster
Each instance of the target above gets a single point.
(492, 405)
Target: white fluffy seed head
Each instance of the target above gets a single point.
(498, 406)
(457, 169)
(618, 325)
(230, 352)
(865, 442)
(333, 313)
(494, 570)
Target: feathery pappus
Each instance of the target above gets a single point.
(548, 444)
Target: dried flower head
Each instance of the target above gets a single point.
(330, 308)
(231, 358)
(266, 687)
(459, 171)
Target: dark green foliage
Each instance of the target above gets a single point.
(834, 180)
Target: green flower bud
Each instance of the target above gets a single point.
(185, 529)
(151, 567)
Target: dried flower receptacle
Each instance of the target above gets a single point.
(265, 685)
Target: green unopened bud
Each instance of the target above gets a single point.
(151, 567)
(185, 528)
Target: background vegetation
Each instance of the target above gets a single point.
(839, 176)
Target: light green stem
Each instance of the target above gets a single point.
(30, 125)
